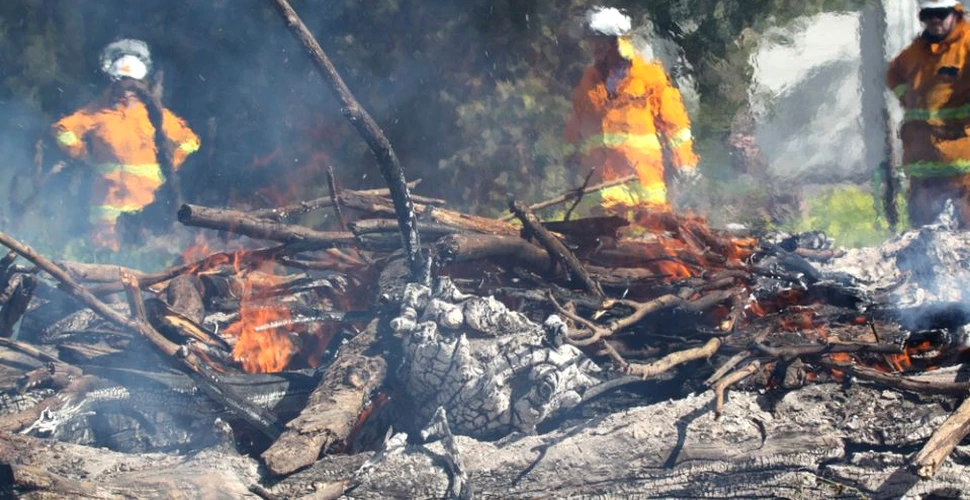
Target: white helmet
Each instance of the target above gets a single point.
(607, 21)
(937, 4)
(126, 58)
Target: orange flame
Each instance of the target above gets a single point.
(261, 347)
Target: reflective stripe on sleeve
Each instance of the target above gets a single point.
(682, 137)
(190, 146)
(150, 171)
(110, 213)
(937, 114)
(638, 141)
(634, 194)
(68, 138)
(937, 169)
(899, 90)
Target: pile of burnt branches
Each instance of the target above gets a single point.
(642, 299)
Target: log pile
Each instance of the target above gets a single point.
(525, 328)
(416, 351)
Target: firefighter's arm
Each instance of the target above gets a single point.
(674, 126)
(183, 138)
(69, 133)
(896, 78)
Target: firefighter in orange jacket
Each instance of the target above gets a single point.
(931, 78)
(116, 138)
(628, 119)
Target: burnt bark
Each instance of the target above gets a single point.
(333, 408)
(247, 225)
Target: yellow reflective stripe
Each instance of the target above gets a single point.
(937, 168)
(634, 194)
(638, 141)
(67, 138)
(680, 138)
(937, 114)
(190, 146)
(110, 213)
(899, 90)
(150, 171)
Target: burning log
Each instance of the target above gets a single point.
(333, 409)
(258, 417)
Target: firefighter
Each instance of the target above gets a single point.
(628, 119)
(116, 138)
(932, 81)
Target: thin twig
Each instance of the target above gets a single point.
(735, 377)
(574, 193)
(662, 365)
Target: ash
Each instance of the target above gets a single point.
(491, 369)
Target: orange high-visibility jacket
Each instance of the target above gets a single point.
(627, 131)
(118, 142)
(932, 81)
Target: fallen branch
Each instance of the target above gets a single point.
(729, 380)
(305, 207)
(247, 225)
(332, 410)
(387, 160)
(662, 365)
(942, 442)
(896, 381)
(577, 193)
(555, 247)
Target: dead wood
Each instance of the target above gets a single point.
(555, 247)
(929, 459)
(898, 382)
(459, 248)
(390, 166)
(669, 361)
(184, 295)
(374, 204)
(576, 194)
(333, 408)
(187, 361)
(305, 207)
(16, 305)
(44, 469)
(736, 376)
(796, 351)
(247, 225)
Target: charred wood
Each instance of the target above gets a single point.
(247, 225)
(259, 418)
(184, 295)
(14, 307)
(554, 247)
(334, 406)
(944, 440)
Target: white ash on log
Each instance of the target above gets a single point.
(493, 370)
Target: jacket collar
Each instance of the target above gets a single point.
(958, 32)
